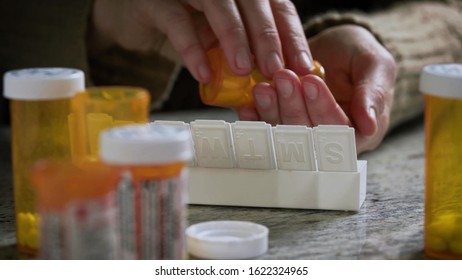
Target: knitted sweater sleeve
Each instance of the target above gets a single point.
(416, 34)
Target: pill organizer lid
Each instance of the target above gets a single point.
(42, 83)
(144, 144)
(444, 80)
(227, 240)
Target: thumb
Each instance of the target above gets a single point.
(373, 95)
(365, 108)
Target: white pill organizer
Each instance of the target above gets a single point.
(253, 164)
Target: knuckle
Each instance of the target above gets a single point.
(267, 34)
(382, 97)
(293, 114)
(232, 31)
(175, 19)
(190, 49)
(368, 56)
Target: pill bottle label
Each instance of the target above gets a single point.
(91, 228)
(51, 239)
(163, 217)
(126, 217)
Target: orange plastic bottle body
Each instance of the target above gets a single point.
(77, 205)
(443, 194)
(230, 90)
(226, 89)
(39, 130)
(442, 86)
(39, 105)
(100, 108)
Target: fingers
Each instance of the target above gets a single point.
(266, 103)
(374, 86)
(321, 104)
(248, 114)
(370, 110)
(297, 102)
(270, 29)
(283, 102)
(263, 35)
(297, 54)
(174, 20)
(227, 24)
(291, 102)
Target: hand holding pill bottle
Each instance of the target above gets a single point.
(232, 91)
(40, 103)
(442, 86)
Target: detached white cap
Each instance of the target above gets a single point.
(42, 83)
(444, 80)
(145, 144)
(222, 240)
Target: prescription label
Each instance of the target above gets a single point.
(126, 217)
(91, 228)
(51, 248)
(163, 204)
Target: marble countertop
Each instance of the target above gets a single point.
(388, 226)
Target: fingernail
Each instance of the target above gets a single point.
(263, 101)
(373, 114)
(304, 61)
(285, 87)
(243, 59)
(311, 91)
(274, 63)
(204, 72)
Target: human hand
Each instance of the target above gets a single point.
(268, 29)
(359, 88)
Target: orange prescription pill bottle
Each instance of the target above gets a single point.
(232, 91)
(39, 106)
(442, 86)
(152, 194)
(77, 206)
(99, 108)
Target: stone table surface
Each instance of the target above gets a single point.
(389, 225)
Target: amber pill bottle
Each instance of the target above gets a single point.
(442, 87)
(229, 90)
(39, 107)
(98, 108)
(152, 194)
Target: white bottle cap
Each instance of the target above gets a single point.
(42, 83)
(222, 240)
(145, 145)
(444, 80)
